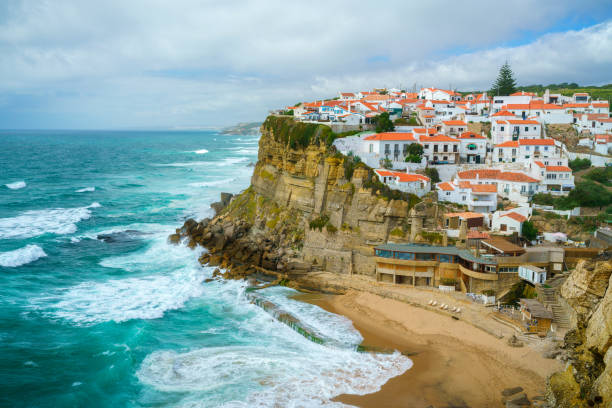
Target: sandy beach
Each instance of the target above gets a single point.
(455, 364)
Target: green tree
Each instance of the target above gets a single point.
(383, 123)
(579, 164)
(529, 231)
(414, 153)
(590, 194)
(433, 175)
(386, 163)
(505, 83)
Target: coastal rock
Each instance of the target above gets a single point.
(174, 238)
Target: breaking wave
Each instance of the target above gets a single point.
(86, 190)
(38, 222)
(16, 185)
(21, 256)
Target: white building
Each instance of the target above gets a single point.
(513, 185)
(406, 182)
(390, 145)
(603, 143)
(472, 147)
(532, 274)
(453, 127)
(440, 149)
(525, 149)
(514, 129)
(507, 222)
(500, 101)
(480, 198)
(554, 174)
(439, 94)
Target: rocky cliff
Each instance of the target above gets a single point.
(308, 208)
(587, 379)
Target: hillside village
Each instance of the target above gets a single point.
(524, 206)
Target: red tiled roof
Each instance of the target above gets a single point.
(473, 234)
(537, 142)
(423, 130)
(445, 186)
(516, 176)
(403, 177)
(510, 143)
(391, 136)
(437, 138)
(558, 168)
(539, 163)
(454, 123)
(515, 216)
(470, 135)
(503, 113)
(576, 105)
(523, 93)
(484, 188)
(523, 122)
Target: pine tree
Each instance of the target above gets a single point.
(505, 83)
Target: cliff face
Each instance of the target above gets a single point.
(587, 379)
(307, 208)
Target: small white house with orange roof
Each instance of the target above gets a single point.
(453, 127)
(481, 198)
(514, 185)
(515, 129)
(524, 149)
(554, 174)
(407, 182)
(439, 94)
(603, 143)
(440, 149)
(508, 222)
(390, 145)
(472, 147)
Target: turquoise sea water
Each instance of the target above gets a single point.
(98, 310)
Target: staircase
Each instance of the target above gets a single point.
(549, 297)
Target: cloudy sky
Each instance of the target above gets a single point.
(165, 64)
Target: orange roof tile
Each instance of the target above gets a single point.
(537, 142)
(482, 174)
(558, 168)
(510, 143)
(410, 177)
(484, 188)
(473, 234)
(445, 186)
(437, 138)
(516, 216)
(517, 177)
(471, 135)
(423, 130)
(454, 123)
(503, 113)
(523, 122)
(539, 163)
(392, 136)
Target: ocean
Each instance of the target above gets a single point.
(97, 309)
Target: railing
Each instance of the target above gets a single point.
(478, 275)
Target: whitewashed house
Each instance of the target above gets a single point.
(513, 185)
(480, 198)
(453, 127)
(391, 145)
(507, 222)
(472, 147)
(532, 274)
(603, 143)
(554, 174)
(440, 149)
(525, 149)
(407, 182)
(515, 129)
(439, 94)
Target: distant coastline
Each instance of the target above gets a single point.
(244, 128)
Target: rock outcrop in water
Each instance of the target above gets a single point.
(308, 208)
(587, 379)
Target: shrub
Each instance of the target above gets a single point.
(331, 229)
(319, 222)
(601, 175)
(590, 194)
(529, 231)
(398, 232)
(432, 173)
(350, 164)
(383, 123)
(386, 163)
(579, 164)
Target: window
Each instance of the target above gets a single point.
(445, 148)
(463, 198)
(371, 147)
(426, 146)
(448, 193)
(445, 158)
(527, 148)
(501, 128)
(435, 148)
(534, 128)
(523, 188)
(526, 128)
(545, 147)
(455, 148)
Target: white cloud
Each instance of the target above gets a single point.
(159, 63)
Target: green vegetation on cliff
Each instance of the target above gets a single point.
(299, 135)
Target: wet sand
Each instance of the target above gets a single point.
(455, 364)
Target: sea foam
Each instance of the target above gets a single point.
(201, 151)
(21, 256)
(37, 222)
(16, 185)
(279, 367)
(86, 190)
